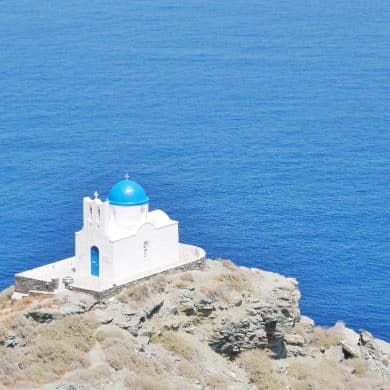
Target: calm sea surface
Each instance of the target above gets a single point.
(263, 127)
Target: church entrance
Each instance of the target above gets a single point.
(94, 261)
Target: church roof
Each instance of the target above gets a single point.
(127, 193)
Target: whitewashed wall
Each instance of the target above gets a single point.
(96, 218)
(129, 256)
(153, 245)
(128, 215)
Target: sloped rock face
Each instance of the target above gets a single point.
(265, 318)
(376, 358)
(231, 308)
(66, 303)
(234, 336)
(131, 319)
(258, 325)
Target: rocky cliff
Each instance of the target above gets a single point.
(226, 327)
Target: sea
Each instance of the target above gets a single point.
(262, 126)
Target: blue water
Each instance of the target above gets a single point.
(263, 127)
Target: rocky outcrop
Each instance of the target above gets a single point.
(235, 335)
(263, 315)
(8, 338)
(66, 303)
(213, 317)
(374, 354)
(130, 319)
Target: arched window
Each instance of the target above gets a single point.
(94, 261)
(90, 216)
(146, 250)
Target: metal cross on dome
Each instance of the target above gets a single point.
(96, 194)
(127, 176)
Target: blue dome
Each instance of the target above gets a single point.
(127, 193)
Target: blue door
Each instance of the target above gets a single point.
(94, 261)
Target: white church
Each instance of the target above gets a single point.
(121, 241)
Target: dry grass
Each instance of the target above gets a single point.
(182, 280)
(327, 374)
(77, 330)
(47, 360)
(187, 369)
(301, 330)
(326, 337)
(3, 334)
(300, 370)
(22, 326)
(122, 354)
(136, 381)
(358, 365)
(58, 347)
(24, 303)
(5, 297)
(10, 307)
(228, 264)
(219, 292)
(140, 382)
(260, 370)
(135, 293)
(226, 285)
(119, 354)
(90, 375)
(236, 281)
(180, 343)
(158, 284)
(192, 359)
(314, 375)
(9, 368)
(215, 381)
(141, 291)
(47, 301)
(104, 333)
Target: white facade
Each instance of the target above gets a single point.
(130, 240)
